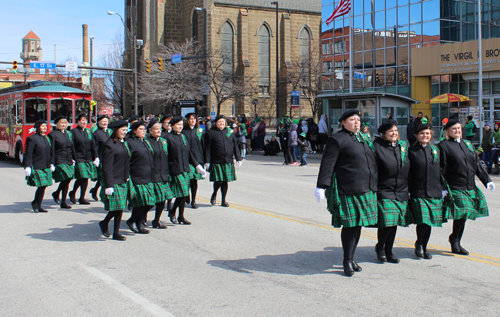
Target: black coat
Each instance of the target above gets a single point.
(179, 154)
(115, 163)
(352, 161)
(485, 143)
(164, 133)
(460, 165)
(63, 149)
(220, 148)
(196, 144)
(38, 152)
(426, 180)
(160, 160)
(141, 161)
(392, 174)
(100, 137)
(85, 147)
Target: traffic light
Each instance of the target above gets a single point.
(14, 67)
(405, 79)
(161, 64)
(148, 66)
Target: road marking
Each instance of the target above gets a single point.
(373, 236)
(127, 292)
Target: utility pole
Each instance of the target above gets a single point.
(277, 66)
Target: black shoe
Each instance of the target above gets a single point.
(173, 220)
(34, 206)
(93, 193)
(42, 210)
(55, 195)
(159, 225)
(65, 206)
(194, 205)
(183, 221)
(104, 229)
(212, 200)
(224, 204)
(391, 258)
(143, 230)
(427, 255)
(119, 237)
(131, 226)
(456, 247)
(380, 254)
(356, 267)
(348, 268)
(72, 197)
(419, 250)
(82, 201)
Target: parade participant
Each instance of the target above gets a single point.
(196, 139)
(38, 163)
(115, 170)
(133, 119)
(460, 165)
(141, 175)
(165, 124)
(220, 148)
(392, 195)
(161, 185)
(486, 146)
(87, 159)
(179, 160)
(426, 187)
(64, 156)
(101, 135)
(348, 171)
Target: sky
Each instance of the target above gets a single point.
(59, 22)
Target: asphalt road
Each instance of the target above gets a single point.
(272, 253)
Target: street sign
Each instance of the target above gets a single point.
(212, 113)
(43, 65)
(359, 75)
(295, 99)
(71, 66)
(177, 58)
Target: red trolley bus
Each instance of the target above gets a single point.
(21, 106)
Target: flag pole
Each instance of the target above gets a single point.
(480, 73)
(351, 28)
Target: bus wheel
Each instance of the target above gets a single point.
(19, 153)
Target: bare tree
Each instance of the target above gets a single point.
(113, 81)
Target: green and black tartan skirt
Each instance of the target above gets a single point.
(222, 172)
(179, 184)
(40, 178)
(144, 195)
(353, 210)
(63, 172)
(427, 211)
(392, 213)
(117, 201)
(162, 192)
(194, 174)
(466, 204)
(86, 170)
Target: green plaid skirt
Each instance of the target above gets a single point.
(162, 192)
(222, 172)
(194, 174)
(392, 213)
(86, 170)
(144, 195)
(117, 201)
(180, 185)
(63, 172)
(427, 211)
(40, 178)
(353, 210)
(466, 204)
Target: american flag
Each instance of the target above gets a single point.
(342, 8)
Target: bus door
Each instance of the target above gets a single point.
(15, 127)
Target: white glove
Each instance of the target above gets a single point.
(444, 193)
(97, 162)
(201, 171)
(27, 171)
(239, 163)
(490, 186)
(74, 162)
(52, 168)
(320, 194)
(207, 166)
(109, 191)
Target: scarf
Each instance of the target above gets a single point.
(362, 138)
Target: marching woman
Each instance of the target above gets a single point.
(115, 170)
(220, 148)
(196, 140)
(64, 156)
(161, 185)
(101, 135)
(141, 175)
(392, 195)
(166, 128)
(460, 165)
(348, 173)
(38, 163)
(179, 160)
(86, 159)
(426, 187)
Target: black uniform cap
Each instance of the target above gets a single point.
(387, 125)
(56, 120)
(451, 122)
(176, 119)
(39, 123)
(221, 116)
(350, 113)
(103, 116)
(118, 124)
(152, 123)
(167, 116)
(137, 124)
(191, 114)
(423, 126)
(133, 118)
(81, 115)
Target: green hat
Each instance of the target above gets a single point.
(303, 135)
(296, 121)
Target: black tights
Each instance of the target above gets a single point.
(223, 188)
(386, 237)
(458, 230)
(96, 187)
(82, 183)
(159, 211)
(181, 203)
(40, 192)
(139, 214)
(423, 235)
(63, 187)
(194, 189)
(350, 239)
(117, 214)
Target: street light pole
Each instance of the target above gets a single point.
(205, 56)
(277, 67)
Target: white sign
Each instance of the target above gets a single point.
(71, 66)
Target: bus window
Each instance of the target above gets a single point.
(61, 107)
(35, 109)
(82, 105)
(19, 111)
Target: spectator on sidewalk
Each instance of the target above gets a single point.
(282, 132)
(312, 133)
(305, 148)
(261, 134)
(485, 145)
(292, 144)
(323, 133)
(410, 128)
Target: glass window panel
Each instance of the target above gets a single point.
(380, 20)
(368, 22)
(357, 7)
(227, 35)
(368, 114)
(468, 32)
(357, 42)
(464, 89)
(369, 59)
(430, 10)
(495, 13)
(403, 13)
(413, 1)
(390, 40)
(430, 31)
(486, 13)
(496, 87)
(403, 34)
(368, 45)
(379, 58)
(82, 106)
(495, 31)
(380, 77)
(445, 88)
(454, 88)
(435, 90)
(468, 12)
(35, 109)
(358, 61)
(382, 4)
(264, 45)
(415, 33)
(403, 77)
(403, 55)
(486, 32)
(390, 77)
(486, 87)
(390, 56)
(455, 9)
(404, 90)
(402, 2)
(391, 20)
(450, 30)
(435, 79)
(416, 13)
(326, 12)
(61, 107)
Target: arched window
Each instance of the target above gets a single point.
(194, 25)
(305, 43)
(264, 61)
(305, 58)
(227, 49)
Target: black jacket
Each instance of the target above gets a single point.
(115, 163)
(392, 174)
(196, 144)
(460, 165)
(410, 134)
(84, 145)
(100, 137)
(426, 180)
(160, 160)
(63, 149)
(179, 154)
(164, 133)
(485, 143)
(141, 161)
(220, 148)
(352, 161)
(38, 152)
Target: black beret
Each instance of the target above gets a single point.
(81, 115)
(423, 126)
(118, 124)
(191, 114)
(133, 118)
(103, 116)
(387, 125)
(176, 119)
(39, 123)
(137, 124)
(167, 116)
(56, 120)
(451, 122)
(350, 113)
(221, 116)
(152, 122)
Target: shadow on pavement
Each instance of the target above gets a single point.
(51, 206)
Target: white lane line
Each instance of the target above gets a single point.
(124, 290)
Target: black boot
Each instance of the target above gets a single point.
(116, 232)
(389, 243)
(349, 238)
(419, 248)
(380, 251)
(456, 237)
